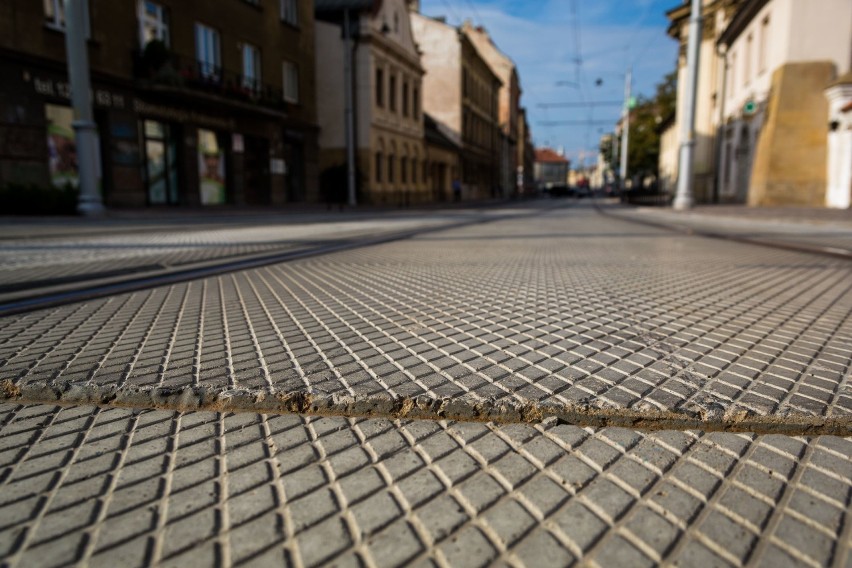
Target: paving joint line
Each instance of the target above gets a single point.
(60, 295)
(464, 408)
(832, 252)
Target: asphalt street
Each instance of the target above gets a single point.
(550, 386)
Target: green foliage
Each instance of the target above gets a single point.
(20, 199)
(645, 119)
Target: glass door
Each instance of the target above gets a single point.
(160, 164)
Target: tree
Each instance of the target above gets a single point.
(645, 118)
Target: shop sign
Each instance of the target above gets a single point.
(277, 166)
(104, 98)
(237, 143)
(180, 115)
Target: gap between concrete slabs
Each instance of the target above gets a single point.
(463, 408)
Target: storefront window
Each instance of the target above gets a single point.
(61, 147)
(160, 163)
(211, 168)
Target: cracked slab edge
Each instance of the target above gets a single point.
(463, 408)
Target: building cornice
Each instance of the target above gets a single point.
(745, 14)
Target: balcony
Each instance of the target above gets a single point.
(159, 68)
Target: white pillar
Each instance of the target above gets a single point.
(683, 198)
(837, 194)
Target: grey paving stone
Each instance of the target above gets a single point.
(592, 314)
(114, 486)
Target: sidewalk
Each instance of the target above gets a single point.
(826, 230)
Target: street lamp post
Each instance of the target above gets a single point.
(349, 110)
(89, 201)
(625, 125)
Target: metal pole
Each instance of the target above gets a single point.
(683, 198)
(89, 201)
(349, 111)
(625, 125)
(613, 152)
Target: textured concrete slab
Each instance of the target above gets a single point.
(111, 486)
(589, 318)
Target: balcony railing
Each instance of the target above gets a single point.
(172, 70)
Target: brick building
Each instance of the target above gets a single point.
(196, 103)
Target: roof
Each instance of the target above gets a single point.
(439, 134)
(339, 5)
(549, 156)
(745, 14)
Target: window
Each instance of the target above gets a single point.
(251, 67)
(54, 15)
(380, 88)
(160, 169)
(153, 23)
(414, 170)
(291, 82)
(207, 51)
(403, 170)
(290, 12)
(415, 103)
(761, 49)
(379, 163)
(390, 168)
(392, 94)
(732, 73)
(405, 99)
(747, 60)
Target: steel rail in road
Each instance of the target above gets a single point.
(27, 300)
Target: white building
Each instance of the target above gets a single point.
(779, 56)
(388, 105)
(762, 117)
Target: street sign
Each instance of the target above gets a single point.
(631, 102)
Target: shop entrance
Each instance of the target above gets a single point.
(161, 172)
(256, 168)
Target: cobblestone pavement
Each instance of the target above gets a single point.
(122, 487)
(568, 313)
(817, 229)
(30, 262)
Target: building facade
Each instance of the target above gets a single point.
(779, 56)
(551, 168)
(389, 135)
(509, 101)
(460, 91)
(195, 104)
(762, 116)
(526, 156)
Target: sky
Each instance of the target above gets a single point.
(575, 42)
